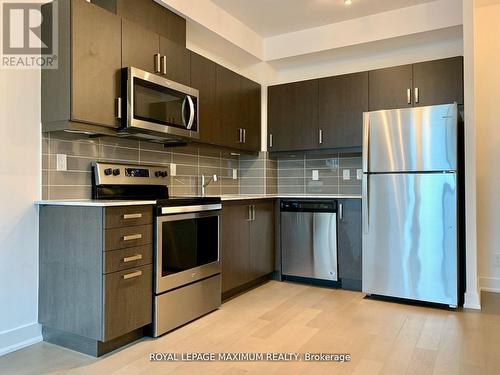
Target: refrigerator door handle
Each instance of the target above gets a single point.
(366, 140)
(365, 206)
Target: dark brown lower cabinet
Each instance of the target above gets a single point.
(247, 243)
(350, 243)
(94, 299)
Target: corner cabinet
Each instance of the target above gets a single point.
(86, 84)
(349, 238)
(96, 275)
(247, 244)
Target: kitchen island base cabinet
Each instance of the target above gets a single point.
(92, 298)
(349, 243)
(247, 245)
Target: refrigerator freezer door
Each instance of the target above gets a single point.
(410, 236)
(411, 140)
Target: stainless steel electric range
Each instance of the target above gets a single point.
(187, 280)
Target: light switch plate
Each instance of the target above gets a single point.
(315, 175)
(346, 174)
(359, 174)
(62, 162)
(235, 174)
(173, 169)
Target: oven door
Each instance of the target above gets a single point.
(187, 249)
(158, 105)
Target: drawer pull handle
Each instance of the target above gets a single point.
(132, 216)
(132, 275)
(132, 258)
(132, 237)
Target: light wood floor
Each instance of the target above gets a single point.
(382, 337)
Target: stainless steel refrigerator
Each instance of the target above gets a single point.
(410, 197)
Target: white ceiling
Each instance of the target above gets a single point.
(273, 17)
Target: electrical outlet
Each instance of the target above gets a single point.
(61, 162)
(173, 169)
(359, 174)
(235, 174)
(315, 175)
(346, 174)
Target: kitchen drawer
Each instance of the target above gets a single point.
(118, 260)
(115, 217)
(120, 238)
(128, 301)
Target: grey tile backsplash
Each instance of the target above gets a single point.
(262, 174)
(81, 151)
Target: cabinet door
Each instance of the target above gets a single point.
(293, 116)
(96, 63)
(262, 240)
(342, 101)
(349, 243)
(139, 47)
(250, 113)
(234, 244)
(388, 88)
(439, 82)
(178, 61)
(203, 78)
(228, 107)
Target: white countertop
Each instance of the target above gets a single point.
(112, 203)
(93, 202)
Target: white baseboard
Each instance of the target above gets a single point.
(19, 338)
(472, 301)
(489, 284)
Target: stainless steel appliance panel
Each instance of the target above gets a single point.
(410, 236)
(309, 244)
(182, 305)
(411, 139)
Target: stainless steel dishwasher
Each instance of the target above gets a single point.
(309, 239)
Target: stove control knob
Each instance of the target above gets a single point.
(164, 174)
(116, 172)
(158, 174)
(108, 171)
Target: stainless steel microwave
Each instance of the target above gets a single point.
(157, 108)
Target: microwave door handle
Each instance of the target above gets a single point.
(183, 109)
(191, 112)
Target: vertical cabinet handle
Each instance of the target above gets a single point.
(163, 65)
(118, 107)
(320, 135)
(157, 63)
(249, 213)
(244, 136)
(253, 212)
(408, 96)
(341, 211)
(417, 95)
(270, 140)
(240, 135)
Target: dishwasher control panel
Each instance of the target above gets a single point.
(309, 206)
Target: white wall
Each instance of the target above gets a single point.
(20, 170)
(487, 63)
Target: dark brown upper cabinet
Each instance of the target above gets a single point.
(228, 108)
(82, 93)
(293, 116)
(203, 78)
(250, 113)
(154, 17)
(390, 88)
(140, 47)
(342, 101)
(177, 63)
(438, 82)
